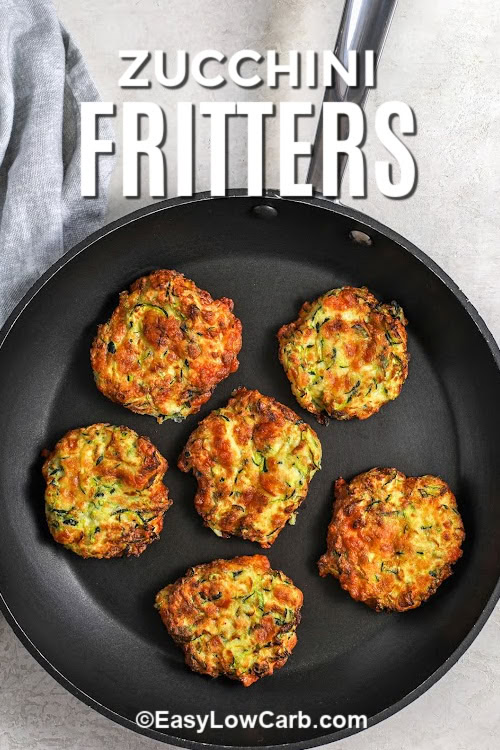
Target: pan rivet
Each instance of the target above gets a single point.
(264, 212)
(360, 237)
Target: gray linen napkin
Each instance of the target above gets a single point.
(43, 79)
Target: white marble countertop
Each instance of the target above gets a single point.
(442, 59)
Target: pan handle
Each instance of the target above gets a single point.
(363, 27)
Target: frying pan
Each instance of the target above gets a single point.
(91, 623)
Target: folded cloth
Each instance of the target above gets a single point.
(43, 79)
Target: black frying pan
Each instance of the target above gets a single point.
(91, 623)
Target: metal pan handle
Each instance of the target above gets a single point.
(363, 27)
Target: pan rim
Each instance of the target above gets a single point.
(361, 219)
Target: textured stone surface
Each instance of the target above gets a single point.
(441, 58)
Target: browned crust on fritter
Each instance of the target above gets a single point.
(253, 460)
(346, 354)
(105, 495)
(392, 539)
(233, 617)
(166, 346)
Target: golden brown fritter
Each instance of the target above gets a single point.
(392, 539)
(105, 496)
(346, 354)
(233, 617)
(166, 346)
(253, 460)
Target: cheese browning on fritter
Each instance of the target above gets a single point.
(105, 496)
(166, 346)
(233, 617)
(346, 354)
(253, 460)
(392, 539)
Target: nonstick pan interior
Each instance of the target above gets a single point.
(92, 622)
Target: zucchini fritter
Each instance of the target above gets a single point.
(233, 617)
(253, 460)
(105, 496)
(392, 539)
(346, 354)
(166, 346)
